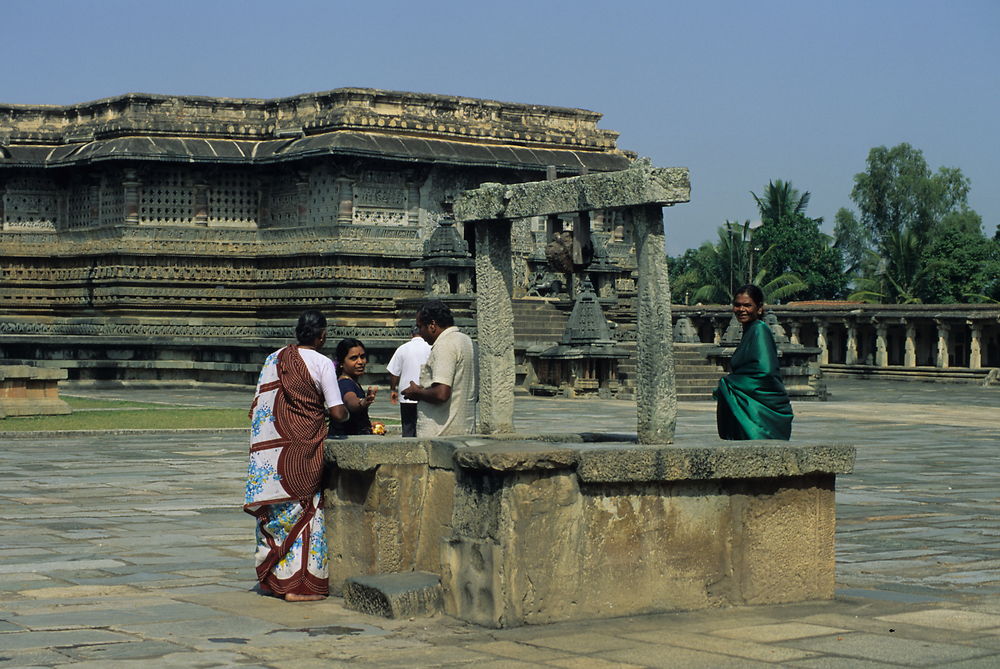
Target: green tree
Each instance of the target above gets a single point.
(780, 199)
(791, 243)
(964, 265)
(852, 241)
(903, 208)
(713, 272)
(898, 192)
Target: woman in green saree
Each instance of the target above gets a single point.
(752, 400)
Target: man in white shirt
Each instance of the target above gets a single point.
(404, 369)
(446, 394)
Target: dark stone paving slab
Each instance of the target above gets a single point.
(133, 549)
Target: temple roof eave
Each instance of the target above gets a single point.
(341, 143)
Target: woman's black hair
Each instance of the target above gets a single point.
(436, 311)
(344, 347)
(752, 291)
(310, 326)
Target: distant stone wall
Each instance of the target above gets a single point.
(920, 342)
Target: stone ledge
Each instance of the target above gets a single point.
(732, 460)
(599, 458)
(363, 453)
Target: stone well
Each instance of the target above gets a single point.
(539, 529)
(528, 529)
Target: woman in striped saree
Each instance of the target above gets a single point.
(296, 392)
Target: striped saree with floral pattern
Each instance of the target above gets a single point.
(284, 482)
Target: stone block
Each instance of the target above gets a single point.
(31, 391)
(364, 453)
(394, 595)
(530, 532)
(387, 519)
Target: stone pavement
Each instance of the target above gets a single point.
(132, 550)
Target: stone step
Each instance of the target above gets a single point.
(694, 397)
(404, 595)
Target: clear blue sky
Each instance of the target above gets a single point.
(739, 92)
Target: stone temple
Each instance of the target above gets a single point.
(172, 238)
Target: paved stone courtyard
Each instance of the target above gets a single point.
(132, 549)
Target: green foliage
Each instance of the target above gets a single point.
(852, 241)
(964, 264)
(710, 274)
(794, 244)
(898, 192)
(915, 239)
(781, 199)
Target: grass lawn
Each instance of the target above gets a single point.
(97, 414)
(130, 419)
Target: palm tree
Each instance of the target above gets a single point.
(723, 267)
(901, 275)
(780, 199)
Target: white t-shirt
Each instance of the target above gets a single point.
(406, 363)
(324, 375)
(451, 363)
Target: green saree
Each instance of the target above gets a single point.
(753, 403)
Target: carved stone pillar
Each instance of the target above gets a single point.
(495, 322)
(412, 204)
(656, 393)
(201, 203)
(824, 351)
(793, 332)
(943, 329)
(910, 346)
(302, 195)
(975, 345)
(345, 197)
(881, 351)
(131, 185)
(852, 343)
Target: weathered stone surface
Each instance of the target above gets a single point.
(394, 595)
(531, 532)
(713, 460)
(31, 391)
(516, 456)
(640, 185)
(656, 392)
(495, 325)
(364, 453)
(386, 519)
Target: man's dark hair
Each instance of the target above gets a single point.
(752, 291)
(436, 311)
(311, 325)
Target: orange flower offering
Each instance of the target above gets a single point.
(378, 428)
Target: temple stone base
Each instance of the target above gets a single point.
(31, 391)
(530, 530)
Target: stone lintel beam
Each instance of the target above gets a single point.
(636, 186)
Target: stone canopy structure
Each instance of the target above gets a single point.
(152, 237)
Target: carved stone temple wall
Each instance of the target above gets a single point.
(165, 238)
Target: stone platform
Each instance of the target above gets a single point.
(31, 391)
(132, 551)
(578, 526)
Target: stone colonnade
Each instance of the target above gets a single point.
(878, 338)
(640, 193)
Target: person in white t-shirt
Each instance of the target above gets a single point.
(404, 368)
(446, 394)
